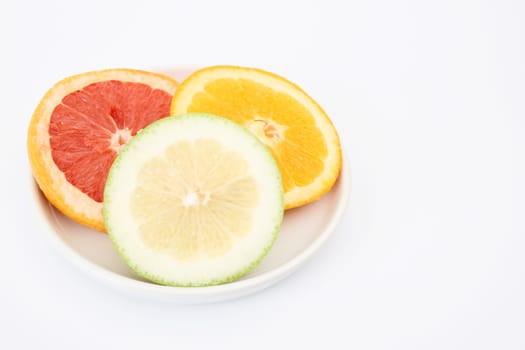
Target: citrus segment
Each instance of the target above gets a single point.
(193, 200)
(290, 123)
(80, 126)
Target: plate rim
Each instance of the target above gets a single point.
(196, 295)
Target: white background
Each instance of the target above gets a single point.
(429, 100)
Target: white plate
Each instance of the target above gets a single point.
(303, 231)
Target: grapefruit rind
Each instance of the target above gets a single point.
(161, 267)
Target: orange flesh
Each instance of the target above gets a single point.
(295, 125)
(90, 125)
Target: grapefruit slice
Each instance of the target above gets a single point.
(286, 119)
(80, 126)
(193, 200)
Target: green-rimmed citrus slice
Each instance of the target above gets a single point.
(193, 200)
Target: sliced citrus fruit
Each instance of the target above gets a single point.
(298, 132)
(79, 127)
(193, 200)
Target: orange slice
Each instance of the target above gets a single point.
(286, 119)
(79, 127)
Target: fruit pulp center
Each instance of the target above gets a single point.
(119, 139)
(266, 130)
(196, 199)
